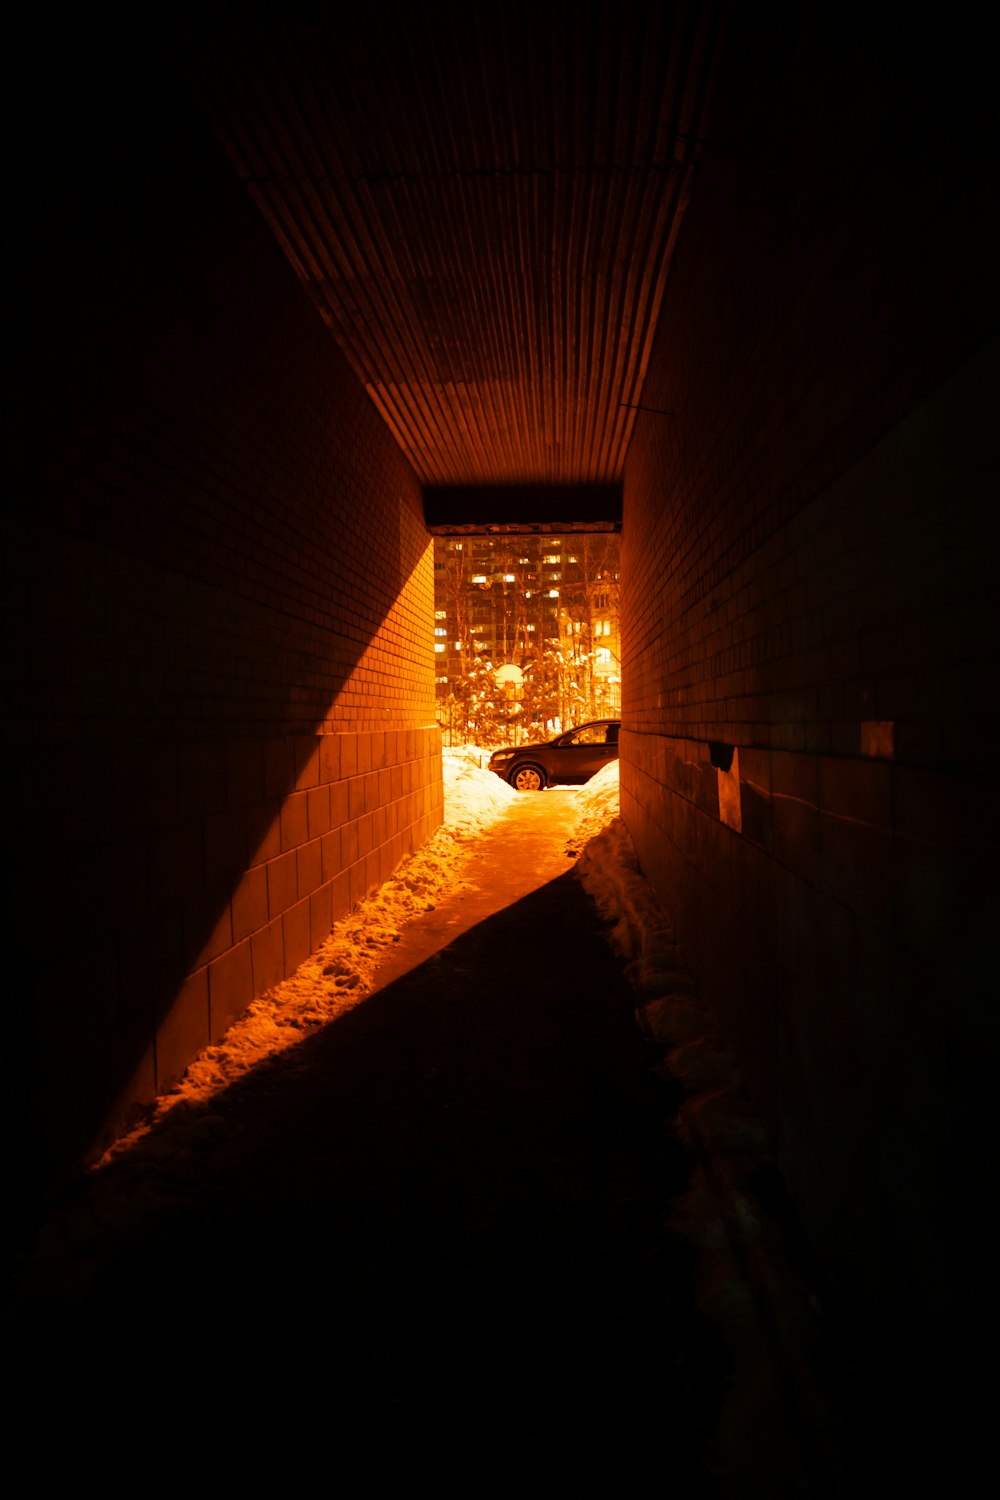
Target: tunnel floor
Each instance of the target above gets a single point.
(448, 1217)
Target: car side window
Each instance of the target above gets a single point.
(591, 734)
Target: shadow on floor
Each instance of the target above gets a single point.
(449, 1206)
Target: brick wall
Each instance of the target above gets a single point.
(809, 638)
(220, 688)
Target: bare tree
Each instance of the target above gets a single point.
(499, 596)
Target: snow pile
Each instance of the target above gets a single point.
(473, 797)
(340, 973)
(610, 872)
(767, 1315)
(670, 1010)
(598, 804)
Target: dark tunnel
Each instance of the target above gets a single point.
(280, 278)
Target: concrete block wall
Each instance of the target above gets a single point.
(809, 638)
(219, 590)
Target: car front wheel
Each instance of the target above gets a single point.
(527, 778)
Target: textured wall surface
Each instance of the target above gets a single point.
(220, 689)
(809, 638)
(481, 199)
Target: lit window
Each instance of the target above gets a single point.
(440, 679)
(572, 559)
(527, 593)
(508, 578)
(524, 559)
(440, 614)
(479, 578)
(553, 557)
(553, 593)
(603, 653)
(529, 628)
(440, 630)
(441, 647)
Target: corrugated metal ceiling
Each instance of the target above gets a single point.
(481, 200)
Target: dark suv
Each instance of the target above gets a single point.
(570, 757)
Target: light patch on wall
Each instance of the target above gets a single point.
(729, 794)
(878, 738)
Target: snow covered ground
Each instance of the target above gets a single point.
(331, 982)
(340, 973)
(766, 1316)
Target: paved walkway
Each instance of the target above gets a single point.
(443, 1219)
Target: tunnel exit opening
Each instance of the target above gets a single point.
(527, 636)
